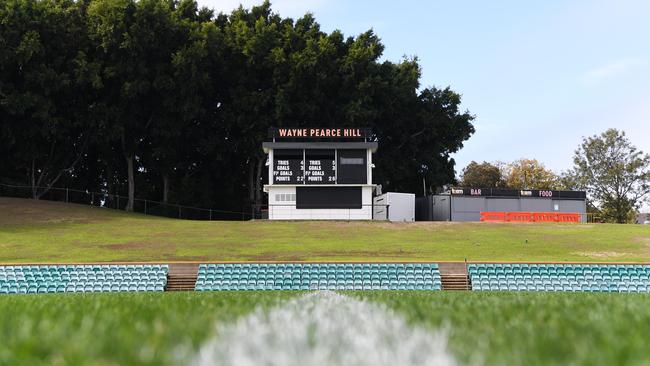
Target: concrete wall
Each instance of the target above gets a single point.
(467, 208)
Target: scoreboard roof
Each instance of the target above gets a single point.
(319, 145)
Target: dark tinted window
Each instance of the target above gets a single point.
(328, 197)
(352, 167)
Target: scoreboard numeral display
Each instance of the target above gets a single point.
(288, 167)
(318, 166)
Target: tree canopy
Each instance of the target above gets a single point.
(484, 175)
(168, 101)
(519, 174)
(530, 174)
(615, 174)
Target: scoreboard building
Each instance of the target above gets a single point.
(320, 174)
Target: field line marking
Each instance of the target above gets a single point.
(324, 328)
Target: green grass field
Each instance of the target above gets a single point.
(520, 328)
(116, 329)
(483, 328)
(41, 231)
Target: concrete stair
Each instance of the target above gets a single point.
(454, 276)
(182, 277)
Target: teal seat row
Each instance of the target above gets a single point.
(336, 266)
(390, 276)
(560, 277)
(86, 268)
(82, 278)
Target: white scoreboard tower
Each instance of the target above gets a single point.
(320, 174)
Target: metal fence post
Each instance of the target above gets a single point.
(210, 214)
(66, 195)
(145, 206)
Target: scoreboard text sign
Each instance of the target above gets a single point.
(319, 166)
(288, 167)
(315, 133)
(532, 193)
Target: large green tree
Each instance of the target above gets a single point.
(47, 88)
(136, 45)
(170, 101)
(615, 174)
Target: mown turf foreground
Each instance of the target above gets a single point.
(117, 329)
(521, 328)
(53, 232)
(169, 329)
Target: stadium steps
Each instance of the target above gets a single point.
(454, 276)
(182, 277)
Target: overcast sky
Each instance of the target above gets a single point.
(538, 75)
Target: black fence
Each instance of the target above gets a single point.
(118, 202)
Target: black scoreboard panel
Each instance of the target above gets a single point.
(320, 166)
(287, 166)
(352, 167)
(328, 197)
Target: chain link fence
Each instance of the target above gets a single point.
(118, 202)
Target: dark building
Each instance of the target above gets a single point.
(467, 204)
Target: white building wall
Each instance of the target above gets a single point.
(401, 206)
(280, 209)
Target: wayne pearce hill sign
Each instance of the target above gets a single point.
(352, 133)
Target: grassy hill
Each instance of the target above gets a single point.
(41, 231)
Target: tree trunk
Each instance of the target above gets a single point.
(621, 211)
(251, 182)
(165, 178)
(129, 167)
(33, 178)
(109, 184)
(258, 181)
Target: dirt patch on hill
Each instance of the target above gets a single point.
(140, 245)
(425, 225)
(602, 254)
(273, 256)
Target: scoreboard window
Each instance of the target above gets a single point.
(352, 167)
(328, 197)
(288, 166)
(320, 166)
